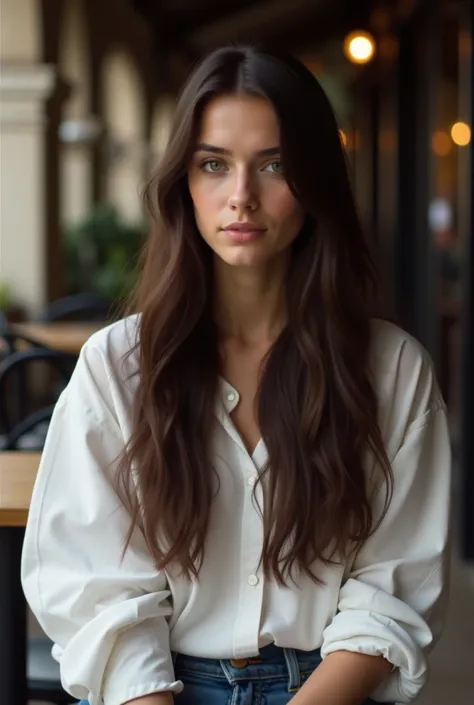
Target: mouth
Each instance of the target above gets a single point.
(244, 226)
(243, 232)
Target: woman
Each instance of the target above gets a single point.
(243, 496)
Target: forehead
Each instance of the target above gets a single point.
(239, 121)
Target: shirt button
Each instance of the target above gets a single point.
(252, 480)
(252, 580)
(231, 396)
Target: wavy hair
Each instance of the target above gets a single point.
(316, 406)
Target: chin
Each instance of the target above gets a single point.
(244, 257)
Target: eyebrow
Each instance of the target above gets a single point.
(204, 147)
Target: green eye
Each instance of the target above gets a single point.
(212, 166)
(275, 167)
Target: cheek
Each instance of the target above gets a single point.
(205, 198)
(285, 208)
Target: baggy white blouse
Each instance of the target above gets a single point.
(114, 623)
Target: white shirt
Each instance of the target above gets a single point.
(114, 623)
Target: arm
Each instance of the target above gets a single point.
(107, 616)
(391, 604)
(343, 678)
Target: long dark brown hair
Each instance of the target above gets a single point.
(316, 406)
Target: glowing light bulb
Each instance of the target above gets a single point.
(461, 134)
(359, 47)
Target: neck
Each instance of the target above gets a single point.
(250, 302)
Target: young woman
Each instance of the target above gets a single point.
(243, 496)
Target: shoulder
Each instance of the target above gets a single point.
(105, 377)
(404, 379)
(113, 349)
(391, 346)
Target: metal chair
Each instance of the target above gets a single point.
(11, 342)
(44, 683)
(16, 367)
(77, 307)
(3, 322)
(14, 341)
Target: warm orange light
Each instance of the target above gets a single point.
(359, 47)
(387, 140)
(343, 137)
(461, 134)
(440, 143)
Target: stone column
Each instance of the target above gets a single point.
(24, 89)
(79, 130)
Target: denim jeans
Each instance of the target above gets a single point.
(272, 678)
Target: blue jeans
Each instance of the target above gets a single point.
(272, 678)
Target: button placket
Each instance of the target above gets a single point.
(230, 396)
(247, 625)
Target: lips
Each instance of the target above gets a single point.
(243, 232)
(244, 227)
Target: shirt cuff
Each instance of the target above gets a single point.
(119, 697)
(374, 634)
(140, 664)
(124, 653)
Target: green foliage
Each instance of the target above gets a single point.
(101, 254)
(5, 296)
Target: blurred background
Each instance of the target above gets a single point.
(87, 90)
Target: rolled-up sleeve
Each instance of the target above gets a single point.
(106, 613)
(392, 603)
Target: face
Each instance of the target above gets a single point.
(243, 207)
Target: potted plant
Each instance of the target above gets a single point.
(11, 310)
(101, 254)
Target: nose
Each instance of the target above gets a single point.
(243, 194)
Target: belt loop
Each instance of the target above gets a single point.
(294, 678)
(226, 670)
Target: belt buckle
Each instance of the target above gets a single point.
(239, 662)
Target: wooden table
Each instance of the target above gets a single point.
(66, 336)
(17, 476)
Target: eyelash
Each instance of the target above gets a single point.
(277, 161)
(206, 162)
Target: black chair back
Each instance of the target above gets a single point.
(77, 307)
(11, 342)
(3, 322)
(16, 366)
